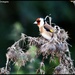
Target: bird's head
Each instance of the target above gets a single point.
(39, 22)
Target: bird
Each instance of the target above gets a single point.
(45, 29)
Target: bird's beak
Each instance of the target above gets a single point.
(35, 22)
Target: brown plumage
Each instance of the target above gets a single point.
(46, 34)
(49, 27)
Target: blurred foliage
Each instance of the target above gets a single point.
(16, 31)
(32, 51)
(18, 16)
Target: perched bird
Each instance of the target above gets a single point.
(44, 28)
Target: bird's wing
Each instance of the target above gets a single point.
(48, 27)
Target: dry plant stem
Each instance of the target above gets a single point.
(57, 46)
(44, 44)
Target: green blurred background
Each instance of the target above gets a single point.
(17, 17)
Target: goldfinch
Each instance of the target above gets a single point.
(44, 28)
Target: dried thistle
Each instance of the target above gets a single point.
(27, 48)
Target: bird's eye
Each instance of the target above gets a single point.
(38, 21)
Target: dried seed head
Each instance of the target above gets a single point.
(61, 46)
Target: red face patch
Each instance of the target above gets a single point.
(38, 21)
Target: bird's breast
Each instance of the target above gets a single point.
(46, 36)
